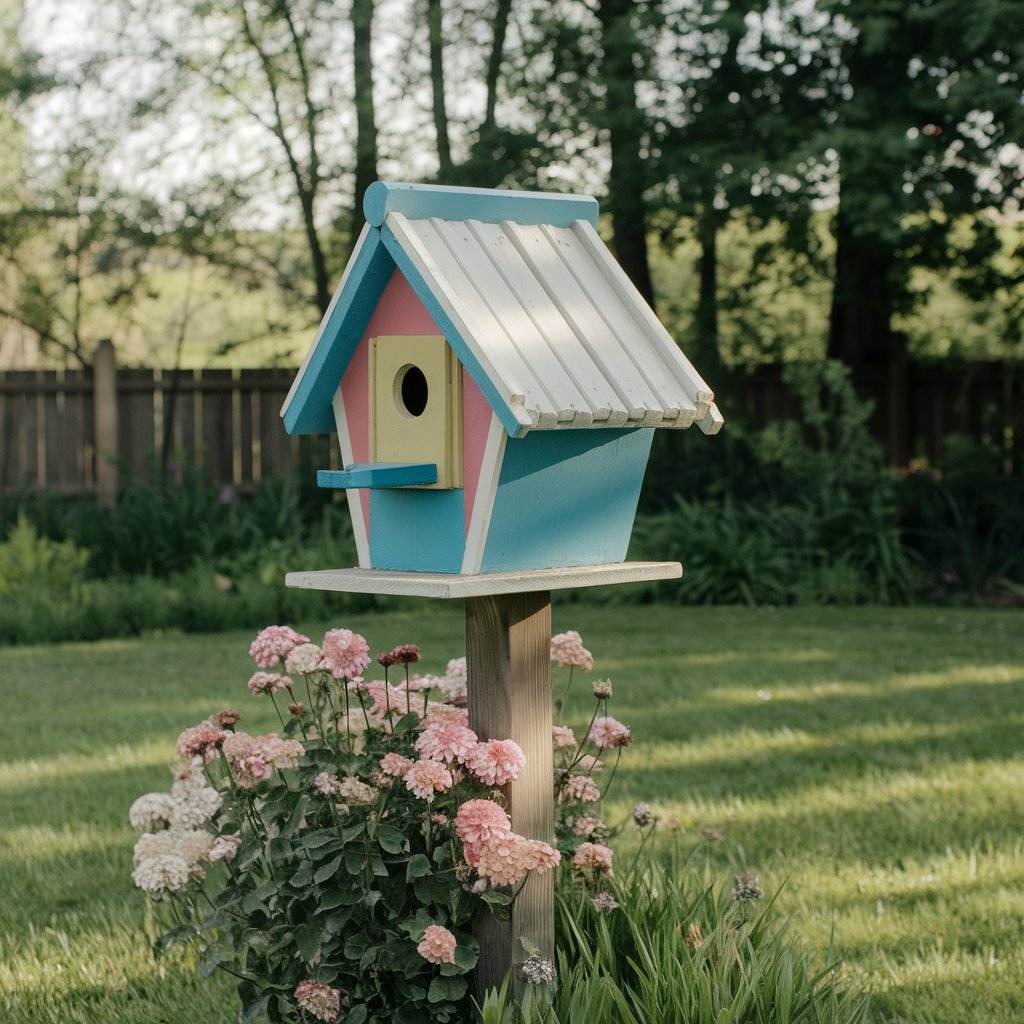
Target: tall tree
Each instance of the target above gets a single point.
(366, 118)
(929, 108)
(625, 124)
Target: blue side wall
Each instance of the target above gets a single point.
(421, 531)
(566, 497)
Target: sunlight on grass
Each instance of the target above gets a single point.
(867, 761)
(109, 761)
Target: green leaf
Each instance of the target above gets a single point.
(406, 722)
(355, 861)
(417, 867)
(327, 870)
(313, 840)
(437, 889)
(307, 941)
(254, 902)
(446, 990)
(391, 839)
(349, 832)
(356, 1015)
(279, 849)
(296, 816)
(303, 875)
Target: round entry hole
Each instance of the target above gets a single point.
(411, 390)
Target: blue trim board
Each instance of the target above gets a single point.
(378, 474)
(310, 410)
(566, 497)
(417, 531)
(451, 335)
(489, 205)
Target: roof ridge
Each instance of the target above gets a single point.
(488, 205)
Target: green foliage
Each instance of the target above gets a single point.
(167, 558)
(30, 562)
(803, 511)
(678, 950)
(965, 520)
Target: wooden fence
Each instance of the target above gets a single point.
(54, 435)
(59, 433)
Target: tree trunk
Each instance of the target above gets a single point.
(366, 121)
(861, 333)
(708, 357)
(436, 37)
(501, 15)
(624, 123)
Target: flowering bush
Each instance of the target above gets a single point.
(334, 867)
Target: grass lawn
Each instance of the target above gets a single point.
(868, 759)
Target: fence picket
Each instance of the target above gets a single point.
(226, 421)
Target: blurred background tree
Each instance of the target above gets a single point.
(781, 178)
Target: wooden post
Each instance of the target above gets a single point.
(105, 418)
(508, 663)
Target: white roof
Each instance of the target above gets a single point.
(556, 324)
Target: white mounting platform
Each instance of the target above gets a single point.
(450, 585)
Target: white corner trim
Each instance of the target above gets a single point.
(355, 503)
(483, 502)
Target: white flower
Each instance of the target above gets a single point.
(151, 812)
(194, 803)
(155, 844)
(355, 791)
(164, 873)
(224, 848)
(194, 846)
(303, 659)
(453, 683)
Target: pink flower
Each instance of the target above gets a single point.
(387, 699)
(403, 654)
(425, 778)
(274, 643)
(585, 825)
(579, 787)
(437, 712)
(478, 823)
(567, 651)
(281, 753)
(609, 732)
(593, 857)
(263, 682)
(538, 856)
(226, 719)
(395, 765)
(446, 741)
(495, 762)
(252, 759)
(503, 861)
(588, 763)
(327, 784)
(247, 760)
(203, 740)
(437, 945)
(346, 654)
(320, 1001)
(562, 737)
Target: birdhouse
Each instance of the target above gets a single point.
(495, 381)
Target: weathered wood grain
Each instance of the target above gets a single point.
(508, 662)
(454, 585)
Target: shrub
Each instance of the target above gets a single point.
(334, 869)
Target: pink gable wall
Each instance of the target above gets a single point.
(401, 312)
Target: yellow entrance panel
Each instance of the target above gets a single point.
(416, 404)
